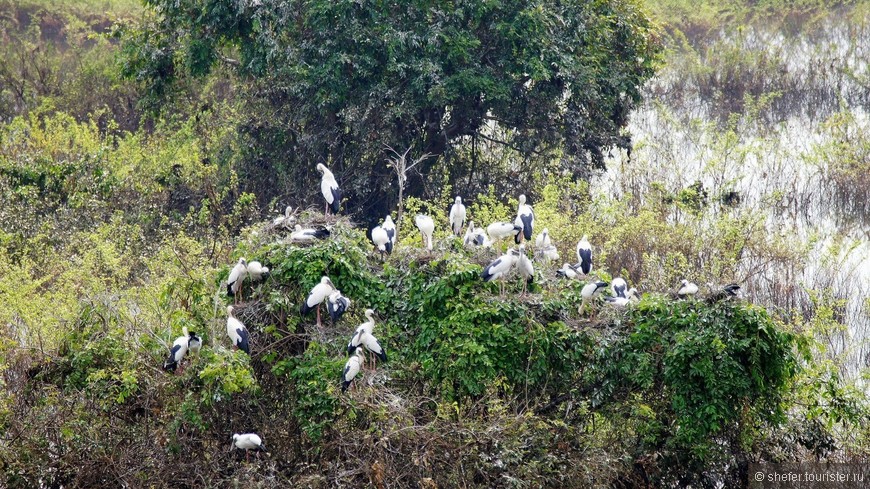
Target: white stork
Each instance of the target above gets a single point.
(500, 268)
(363, 337)
(500, 230)
(475, 237)
(257, 272)
(308, 235)
(337, 305)
(329, 189)
(371, 343)
(363, 329)
(249, 441)
(687, 288)
(381, 240)
(390, 227)
(548, 252)
(619, 287)
(318, 294)
(457, 215)
(351, 368)
(567, 271)
(584, 256)
(426, 226)
(235, 279)
(237, 332)
(525, 219)
(589, 292)
(543, 239)
(286, 220)
(177, 352)
(526, 269)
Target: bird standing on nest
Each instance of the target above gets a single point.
(426, 226)
(457, 216)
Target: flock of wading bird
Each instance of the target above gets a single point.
(383, 237)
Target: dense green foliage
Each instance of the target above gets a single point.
(338, 82)
(670, 377)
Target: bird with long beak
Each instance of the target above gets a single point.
(318, 294)
(248, 442)
(237, 332)
(329, 189)
(589, 292)
(351, 368)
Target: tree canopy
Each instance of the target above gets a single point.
(338, 81)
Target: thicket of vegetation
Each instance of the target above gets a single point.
(478, 390)
(122, 204)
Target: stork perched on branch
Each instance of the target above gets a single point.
(329, 189)
(500, 268)
(525, 219)
(318, 294)
(237, 332)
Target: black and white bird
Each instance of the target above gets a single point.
(475, 237)
(584, 256)
(381, 240)
(500, 268)
(286, 220)
(427, 227)
(237, 332)
(194, 343)
(337, 305)
(525, 219)
(619, 287)
(500, 230)
(631, 297)
(308, 235)
(177, 352)
(543, 239)
(318, 294)
(687, 289)
(363, 329)
(567, 271)
(247, 442)
(589, 292)
(363, 337)
(329, 189)
(526, 269)
(727, 292)
(351, 368)
(457, 216)
(390, 227)
(373, 345)
(236, 278)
